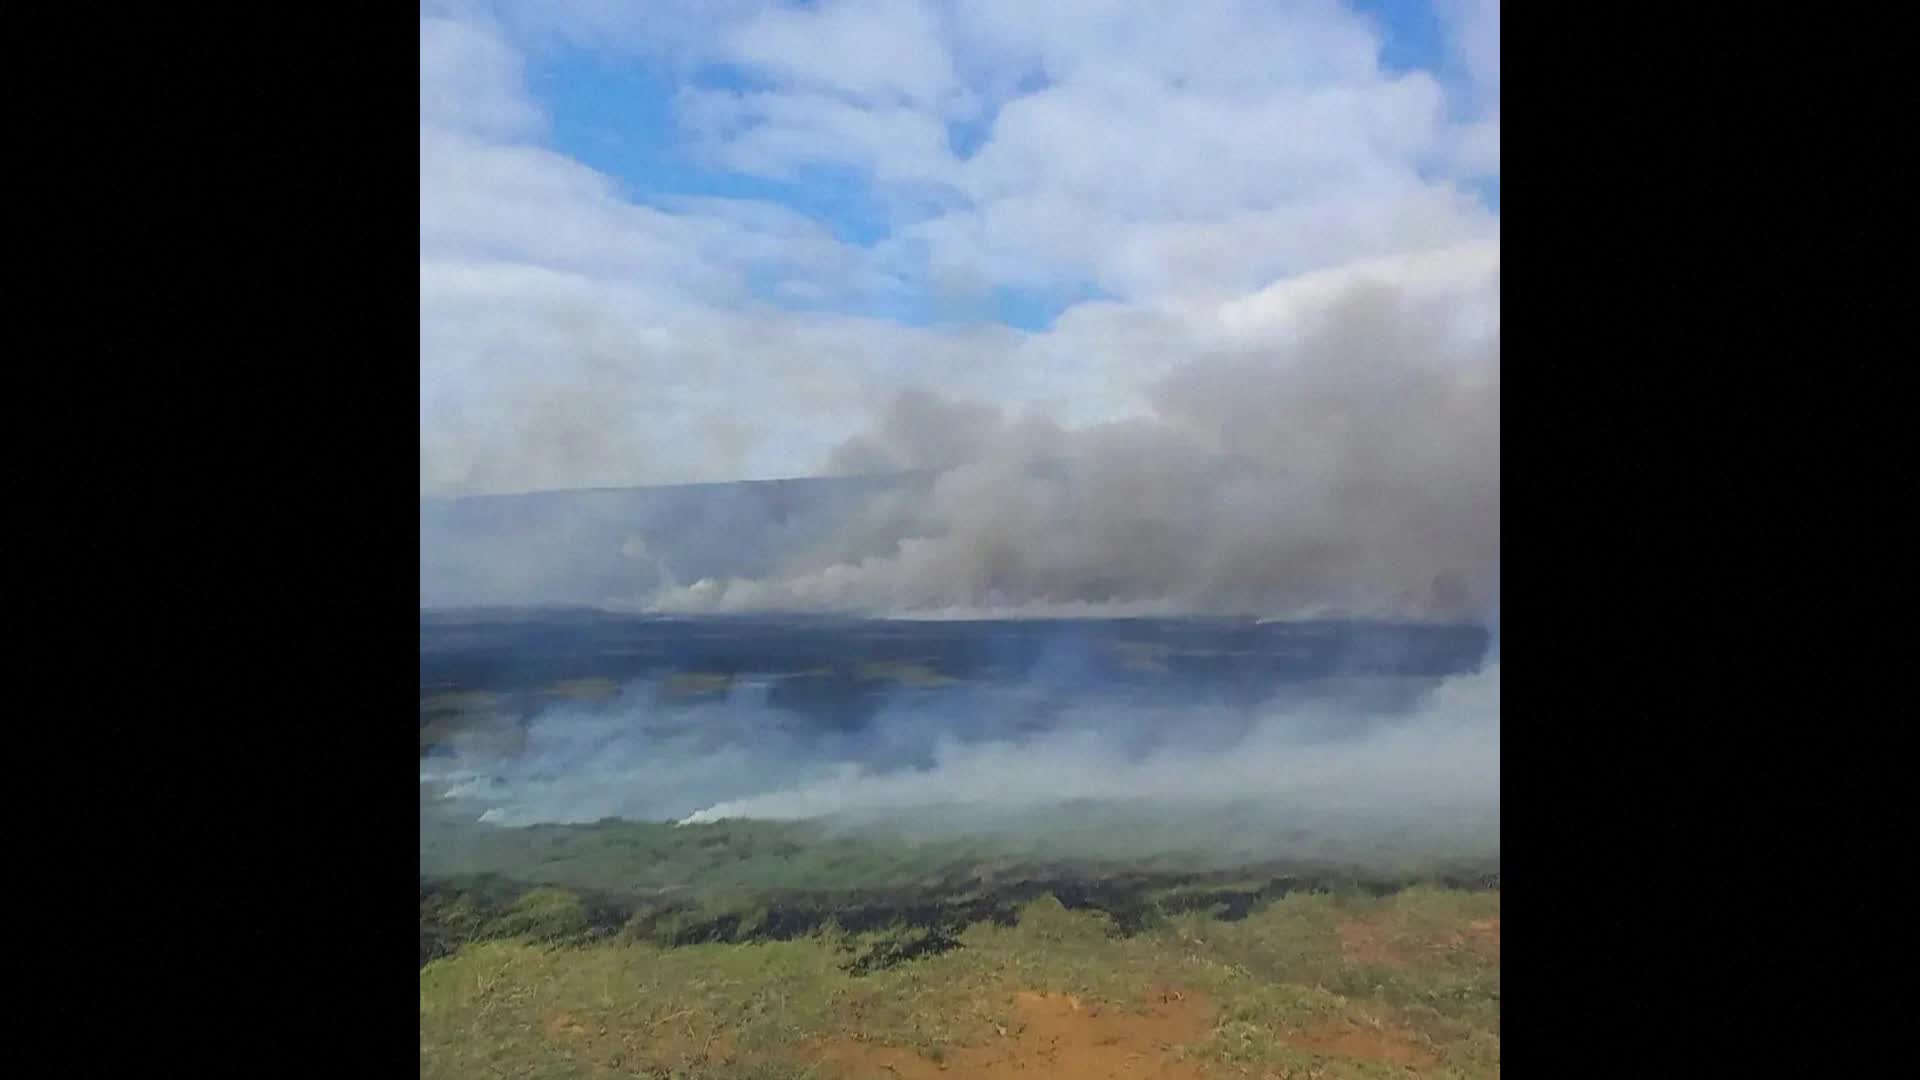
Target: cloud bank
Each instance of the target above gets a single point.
(1137, 177)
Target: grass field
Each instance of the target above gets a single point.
(1309, 985)
(1188, 934)
(1093, 840)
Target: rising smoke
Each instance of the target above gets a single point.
(1340, 460)
(1349, 465)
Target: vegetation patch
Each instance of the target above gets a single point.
(1270, 994)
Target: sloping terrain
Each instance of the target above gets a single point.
(571, 926)
(1281, 993)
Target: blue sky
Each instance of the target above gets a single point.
(616, 114)
(699, 239)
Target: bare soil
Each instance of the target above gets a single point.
(1054, 1035)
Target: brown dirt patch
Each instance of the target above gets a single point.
(1370, 944)
(1358, 1043)
(1054, 1035)
(1483, 936)
(663, 1042)
(563, 1025)
(667, 1048)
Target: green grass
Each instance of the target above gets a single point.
(629, 856)
(906, 672)
(615, 1006)
(636, 856)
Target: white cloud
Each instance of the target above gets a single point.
(1180, 158)
(1476, 152)
(773, 134)
(1474, 34)
(1213, 45)
(469, 81)
(1474, 26)
(1153, 138)
(875, 51)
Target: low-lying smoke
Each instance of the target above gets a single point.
(1386, 757)
(1445, 757)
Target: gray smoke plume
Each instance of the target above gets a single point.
(1351, 468)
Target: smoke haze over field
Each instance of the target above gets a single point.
(769, 327)
(1184, 754)
(1442, 758)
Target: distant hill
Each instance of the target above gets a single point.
(612, 545)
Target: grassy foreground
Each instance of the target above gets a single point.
(1310, 985)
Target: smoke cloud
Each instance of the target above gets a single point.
(1345, 460)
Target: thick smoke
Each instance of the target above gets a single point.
(1345, 464)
